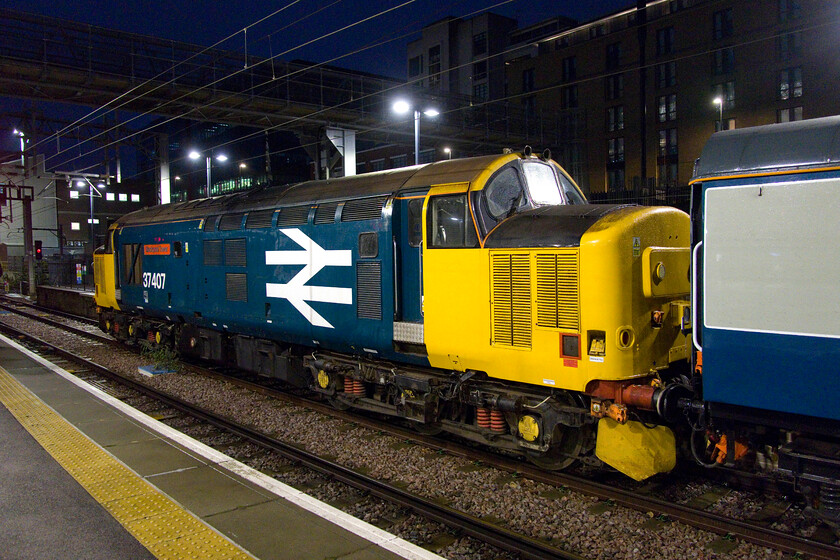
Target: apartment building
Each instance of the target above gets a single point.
(640, 91)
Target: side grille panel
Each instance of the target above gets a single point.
(325, 213)
(369, 290)
(557, 291)
(213, 253)
(236, 286)
(259, 219)
(230, 222)
(511, 303)
(363, 209)
(293, 216)
(235, 252)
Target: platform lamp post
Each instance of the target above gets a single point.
(719, 102)
(22, 137)
(196, 155)
(448, 152)
(93, 192)
(402, 107)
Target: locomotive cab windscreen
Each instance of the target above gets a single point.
(520, 186)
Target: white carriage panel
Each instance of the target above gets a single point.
(772, 258)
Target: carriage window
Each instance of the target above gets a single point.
(450, 224)
(176, 248)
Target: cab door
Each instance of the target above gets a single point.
(408, 263)
(455, 279)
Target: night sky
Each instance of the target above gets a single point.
(207, 22)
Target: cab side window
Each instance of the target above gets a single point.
(449, 223)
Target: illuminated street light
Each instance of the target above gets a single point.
(195, 155)
(22, 137)
(448, 152)
(401, 107)
(719, 102)
(92, 222)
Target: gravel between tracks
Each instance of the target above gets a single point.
(578, 523)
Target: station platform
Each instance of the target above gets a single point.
(83, 475)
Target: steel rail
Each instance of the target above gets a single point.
(494, 535)
(703, 520)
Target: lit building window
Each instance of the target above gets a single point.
(615, 118)
(123, 197)
(95, 221)
(667, 107)
(790, 83)
(109, 196)
(135, 198)
(788, 115)
(75, 226)
(74, 194)
(615, 148)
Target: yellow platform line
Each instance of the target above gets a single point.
(157, 522)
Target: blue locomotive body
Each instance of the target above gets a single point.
(316, 275)
(766, 275)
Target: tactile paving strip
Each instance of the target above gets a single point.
(158, 523)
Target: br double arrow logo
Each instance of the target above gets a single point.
(314, 257)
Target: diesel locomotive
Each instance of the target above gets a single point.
(766, 274)
(483, 297)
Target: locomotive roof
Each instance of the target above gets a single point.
(312, 192)
(797, 145)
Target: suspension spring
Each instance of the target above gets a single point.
(830, 500)
(354, 386)
(482, 417)
(497, 421)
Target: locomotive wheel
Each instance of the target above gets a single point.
(567, 443)
(337, 403)
(561, 455)
(427, 429)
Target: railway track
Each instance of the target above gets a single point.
(631, 498)
(458, 521)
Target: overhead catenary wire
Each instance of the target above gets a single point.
(507, 98)
(93, 114)
(228, 76)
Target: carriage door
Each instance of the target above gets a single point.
(408, 313)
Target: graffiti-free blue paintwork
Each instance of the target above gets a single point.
(780, 372)
(196, 292)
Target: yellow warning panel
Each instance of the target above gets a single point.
(158, 523)
(634, 449)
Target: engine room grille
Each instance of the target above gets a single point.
(235, 253)
(293, 216)
(369, 290)
(511, 303)
(557, 291)
(325, 213)
(259, 219)
(236, 286)
(230, 222)
(363, 209)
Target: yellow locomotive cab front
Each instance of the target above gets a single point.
(593, 311)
